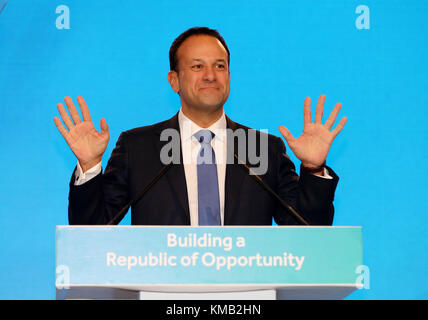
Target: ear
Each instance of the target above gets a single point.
(173, 80)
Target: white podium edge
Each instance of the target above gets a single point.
(208, 291)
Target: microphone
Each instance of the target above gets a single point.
(285, 205)
(119, 216)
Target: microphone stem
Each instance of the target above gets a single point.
(272, 193)
(119, 216)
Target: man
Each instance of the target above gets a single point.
(199, 192)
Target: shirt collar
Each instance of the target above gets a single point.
(188, 128)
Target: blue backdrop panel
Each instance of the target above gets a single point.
(115, 54)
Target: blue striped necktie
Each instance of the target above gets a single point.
(208, 195)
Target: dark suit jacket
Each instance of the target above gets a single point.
(136, 160)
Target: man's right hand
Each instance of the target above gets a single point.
(87, 144)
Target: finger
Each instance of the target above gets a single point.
(61, 128)
(339, 127)
(73, 111)
(319, 109)
(84, 108)
(287, 135)
(333, 115)
(64, 116)
(104, 126)
(307, 116)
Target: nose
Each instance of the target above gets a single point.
(209, 74)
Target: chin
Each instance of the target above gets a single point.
(211, 105)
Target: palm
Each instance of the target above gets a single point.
(87, 144)
(314, 143)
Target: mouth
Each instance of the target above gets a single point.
(205, 88)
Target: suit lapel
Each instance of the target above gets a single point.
(234, 179)
(176, 176)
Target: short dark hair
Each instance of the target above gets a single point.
(191, 32)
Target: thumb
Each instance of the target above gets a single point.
(287, 135)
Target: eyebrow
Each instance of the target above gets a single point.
(202, 60)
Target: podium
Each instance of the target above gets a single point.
(216, 263)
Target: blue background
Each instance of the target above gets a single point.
(115, 55)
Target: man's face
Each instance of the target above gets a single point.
(203, 78)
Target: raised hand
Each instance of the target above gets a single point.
(313, 145)
(87, 144)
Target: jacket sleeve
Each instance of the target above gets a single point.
(311, 196)
(101, 198)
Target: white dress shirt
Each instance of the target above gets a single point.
(190, 149)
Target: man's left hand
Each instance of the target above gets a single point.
(312, 147)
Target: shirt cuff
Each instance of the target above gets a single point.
(82, 177)
(325, 174)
